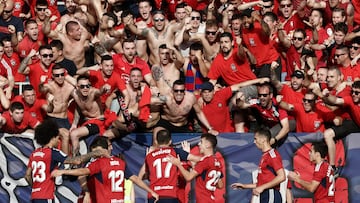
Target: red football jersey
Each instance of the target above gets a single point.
(209, 172)
(12, 128)
(123, 67)
(270, 163)
(109, 176)
(163, 175)
(42, 161)
(325, 175)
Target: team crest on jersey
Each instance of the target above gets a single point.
(17, 6)
(317, 124)
(13, 62)
(252, 42)
(329, 31)
(233, 67)
(52, 2)
(219, 105)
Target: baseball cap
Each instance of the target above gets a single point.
(298, 74)
(207, 86)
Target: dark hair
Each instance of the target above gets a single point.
(100, 141)
(268, 85)
(112, 16)
(272, 15)
(82, 77)
(196, 46)
(211, 23)
(178, 82)
(125, 13)
(356, 84)
(180, 5)
(41, 3)
(263, 131)
(236, 16)
(135, 69)
(343, 47)
(158, 12)
(341, 10)
(30, 21)
(69, 25)
(341, 27)
(226, 34)
(106, 58)
(28, 88)
(320, 147)
(163, 46)
(211, 138)
(356, 40)
(46, 46)
(57, 44)
(128, 40)
(163, 137)
(44, 132)
(336, 69)
(302, 31)
(16, 106)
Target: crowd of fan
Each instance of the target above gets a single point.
(114, 67)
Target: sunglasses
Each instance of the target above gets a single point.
(195, 18)
(181, 91)
(285, 5)
(58, 75)
(41, 9)
(85, 86)
(355, 92)
(210, 33)
(354, 47)
(298, 38)
(159, 19)
(308, 100)
(267, 6)
(338, 55)
(47, 55)
(263, 95)
(8, 11)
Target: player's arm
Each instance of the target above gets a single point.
(236, 87)
(188, 175)
(240, 101)
(141, 184)
(243, 186)
(274, 80)
(24, 68)
(28, 176)
(280, 177)
(86, 157)
(4, 101)
(309, 186)
(71, 172)
(285, 128)
(46, 28)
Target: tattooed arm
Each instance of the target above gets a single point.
(86, 157)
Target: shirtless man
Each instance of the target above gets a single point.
(75, 40)
(88, 102)
(161, 33)
(170, 61)
(75, 13)
(177, 105)
(61, 90)
(138, 111)
(144, 21)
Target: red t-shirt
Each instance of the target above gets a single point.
(123, 68)
(52, 6)
(292, 58)
(219, 106)
(354, 109)
(323, 35)
(35, 110)
(232, 70)
(343, 113)
(42, 162)
(97, 80)
(18, 7)
(270, 163)
(209, 170)
(14, 63)
(309, 121)
(256, 42)
(12, 128)
(38, 75)
(144, 105)
(356, 5)
(26, 45)
(350, 73)
(295, 22)
(325, 175)
(110, 173)
(163, 176)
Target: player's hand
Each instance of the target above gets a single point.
(8, 92)
(155, 195)
(237, 186)
(274, 65)
(32, 53)
(87, 198)
(186, 146)
(106, 88)
(213, 132)
(293, 175)
(12, 29)
(48, 13)
(174, 160)
(55, 173)
(258, 190)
